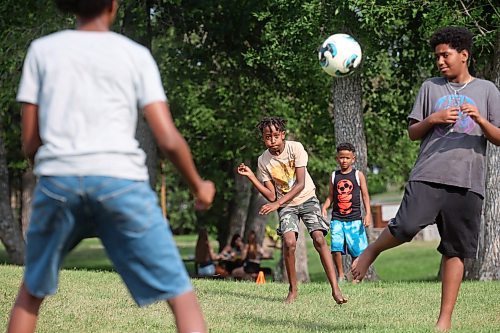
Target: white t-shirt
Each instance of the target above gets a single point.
(88, 87)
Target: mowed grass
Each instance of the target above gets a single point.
(90, 301)
(92, 298)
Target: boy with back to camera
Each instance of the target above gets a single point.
(453, 116)
(92, 174)
(347, 189)
(291, 191)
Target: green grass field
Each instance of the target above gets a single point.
(92, 298)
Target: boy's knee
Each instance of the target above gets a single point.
(404, 231)
(290, 243)
(318, 240)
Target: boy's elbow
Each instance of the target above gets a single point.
(169, 144)
(412, 136)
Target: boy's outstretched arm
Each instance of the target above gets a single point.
(366, 199)
(267, 189)
(299, 185)
(172, 143)
(490, 131)
(328, 202)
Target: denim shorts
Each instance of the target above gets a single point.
(309, 212)
(124, 214)
(348, 237)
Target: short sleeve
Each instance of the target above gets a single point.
(150, 88)
(494, 106)
(301, 157)
(262, 172)
(29, 86)
(420, 108)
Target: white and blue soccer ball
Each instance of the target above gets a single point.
(339, 55)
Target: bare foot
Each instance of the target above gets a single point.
(443, 325)
(361, 264)
(292, 295)
(338, 297)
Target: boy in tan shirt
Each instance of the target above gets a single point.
(291, 191)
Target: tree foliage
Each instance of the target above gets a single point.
(225, 64)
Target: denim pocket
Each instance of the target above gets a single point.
(127, 204)
(50, 206)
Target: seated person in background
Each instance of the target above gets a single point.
(252, 254)
(231, 255)
(204, 255)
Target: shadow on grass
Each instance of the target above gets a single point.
(303, 325)
(247, 296)
(88, 259)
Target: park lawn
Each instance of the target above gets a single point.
(415, 261)
(89, 285)
(97, 301)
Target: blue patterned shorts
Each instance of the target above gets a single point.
(348, 237)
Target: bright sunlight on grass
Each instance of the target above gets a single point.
(92, 298)
(90, 301)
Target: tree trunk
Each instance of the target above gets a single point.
(239, 208)
(10, 231)
(487, 264)
(348, 125)
(28, 186)
(254, 220)
(133, 27)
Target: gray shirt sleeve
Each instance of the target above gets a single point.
(493, 105)
(421, 108)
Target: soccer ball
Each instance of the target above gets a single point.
(339, 55)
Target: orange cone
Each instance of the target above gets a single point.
(260, 278)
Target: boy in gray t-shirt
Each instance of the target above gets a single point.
(454, 116)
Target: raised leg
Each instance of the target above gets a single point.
(361, 264)
(324, 254)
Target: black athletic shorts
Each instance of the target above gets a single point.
(455, 210)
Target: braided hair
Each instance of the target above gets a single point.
(277, 122)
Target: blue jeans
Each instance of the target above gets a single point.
(124, 214)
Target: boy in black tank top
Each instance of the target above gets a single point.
(347, 228)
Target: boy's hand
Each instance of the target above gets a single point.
(367, 221)
(447, 116)
(472, 111)
(204, 195)
(268, 208)
(324, 212)
(244, 170)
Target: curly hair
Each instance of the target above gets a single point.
(458, 38)
(346, 146)
(277, 122)
(87, 9)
